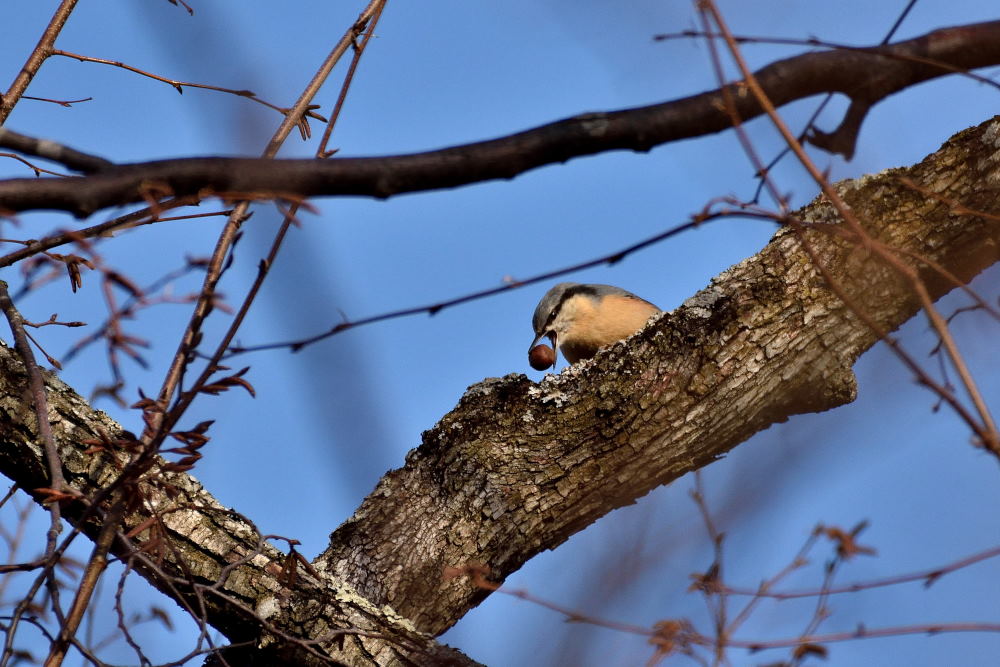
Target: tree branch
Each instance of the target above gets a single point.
(517, 467)
(209, 559)
(864, 75)
(50, 150)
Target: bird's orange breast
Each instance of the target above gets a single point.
(597, 324)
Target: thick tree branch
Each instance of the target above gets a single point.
(864, 75)
(517, 467)
(214, 562)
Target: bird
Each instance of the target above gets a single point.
(581, 318)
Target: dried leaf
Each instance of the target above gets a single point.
(805, 650)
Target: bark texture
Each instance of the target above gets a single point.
(517, 467)
(201, 554)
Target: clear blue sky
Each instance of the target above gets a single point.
(329, 421)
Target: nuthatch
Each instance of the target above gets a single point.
(579, 319)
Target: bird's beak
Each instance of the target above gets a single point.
(555, 348)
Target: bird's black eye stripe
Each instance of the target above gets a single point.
(579, 289)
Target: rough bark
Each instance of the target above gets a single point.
(865, 75)
(517, 467)
(215, 560)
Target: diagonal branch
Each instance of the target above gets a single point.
(866, 76)
(218, 564)
(518, 467)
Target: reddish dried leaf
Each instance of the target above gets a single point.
(201, 427)
(190, 438)
(52, 495)
(162, 616)
(805, 650)
(189, 460)
(243, 383)
(847, 545)
(289, 571)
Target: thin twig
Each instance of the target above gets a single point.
(434, 308)
(39, 399)
(63, 103)
(267, 263)
(711, 583)
(177, 84)
(985, 427)
(144, 216)
(864, 632)
(38, 55)
(159, 426)
(35, 168)
(928, 577)
(88, 582)
(359, 50)
(833, 46)
(761, 591)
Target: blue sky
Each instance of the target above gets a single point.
(329, 421)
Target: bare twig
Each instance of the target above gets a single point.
(38, 55)
(35, 168)
(863, 632)
(928, 577)
(144, 216)
(62, 103)
(289, 216)
(761, 591)
(359, 50)
(434, 308)
(984, 427)
(159, 426)
(180, 85)
(711, 582)
(40, 402)
(810, 124)
(478, 574)
(85, 589)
